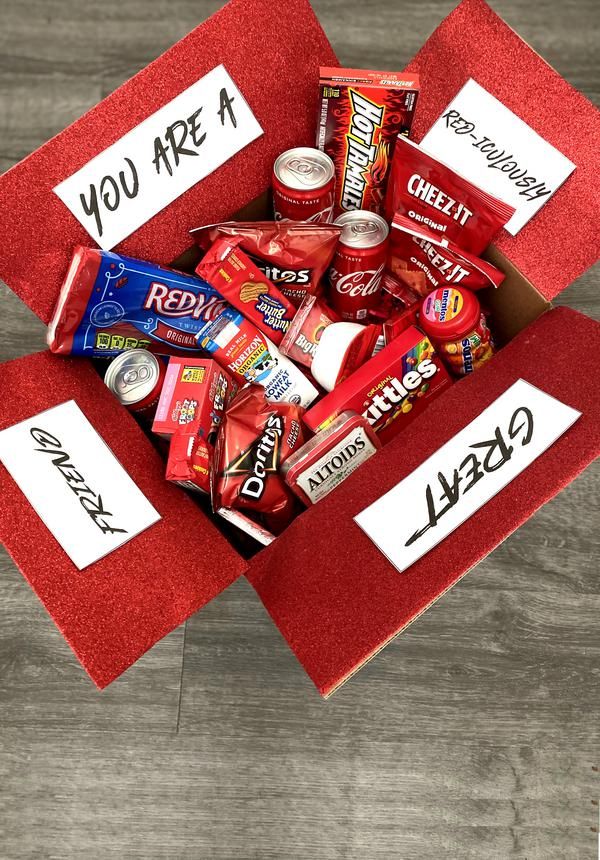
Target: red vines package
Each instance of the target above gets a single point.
(235, 277)
(361, 113)
(293, 256)
(424, 261)
(255, 438)
(432, 195)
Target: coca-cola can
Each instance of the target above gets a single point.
(357, 267)
(135, 377)
(303, 185)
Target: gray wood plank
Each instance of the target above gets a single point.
(68, 796)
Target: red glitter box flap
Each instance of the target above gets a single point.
(562, 240)
(112, 611)
(273, 56)
(336, 598)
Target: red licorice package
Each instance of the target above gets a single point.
(432, 195)
(254, 440)
(293, 256)
(424, 261)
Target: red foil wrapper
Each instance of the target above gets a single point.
(292, 256)
(424, 261)
(433, 196)
(256, 437)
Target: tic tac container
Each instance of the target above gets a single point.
(136, 377)
(303, 185)
(329, 457)
(453, 319)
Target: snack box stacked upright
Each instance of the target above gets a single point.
(333, 594)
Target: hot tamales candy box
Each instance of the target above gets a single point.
(361, 113)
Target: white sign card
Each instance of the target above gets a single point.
(465, 473)
(484, 141)
(157, 161)
(75, 483)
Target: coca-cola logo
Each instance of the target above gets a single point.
(363, 283)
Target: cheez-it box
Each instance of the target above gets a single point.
(332, 591)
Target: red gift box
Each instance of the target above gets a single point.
(332, 593)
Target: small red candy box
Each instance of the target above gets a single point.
(194, 389)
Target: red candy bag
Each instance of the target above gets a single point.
(433, 196)
(294, 256)
(424, 261)
(254, 440)
(302, 337)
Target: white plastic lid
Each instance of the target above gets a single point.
(331, 352)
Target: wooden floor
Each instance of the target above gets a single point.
(473, 735)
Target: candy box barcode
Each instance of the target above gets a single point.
(333, 593)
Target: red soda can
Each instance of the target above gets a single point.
(135, 377)
(357, 267)
(303, 185)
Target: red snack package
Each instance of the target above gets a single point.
(190, 454)
(399, 322)
(234, 276)
(424, 261)
(301, 339)
(433, 196)
(293, 256)
(255, 439)
(192, 388)
(361, 113)
(192, 440)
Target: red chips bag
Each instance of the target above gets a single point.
(294, 256)
(433, 196)
(254, 440)
(424, 261)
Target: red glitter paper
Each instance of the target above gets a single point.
(111, 612)
(272, 54)
(340, 600)
(562, 240)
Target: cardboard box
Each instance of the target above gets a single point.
(332, 593)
